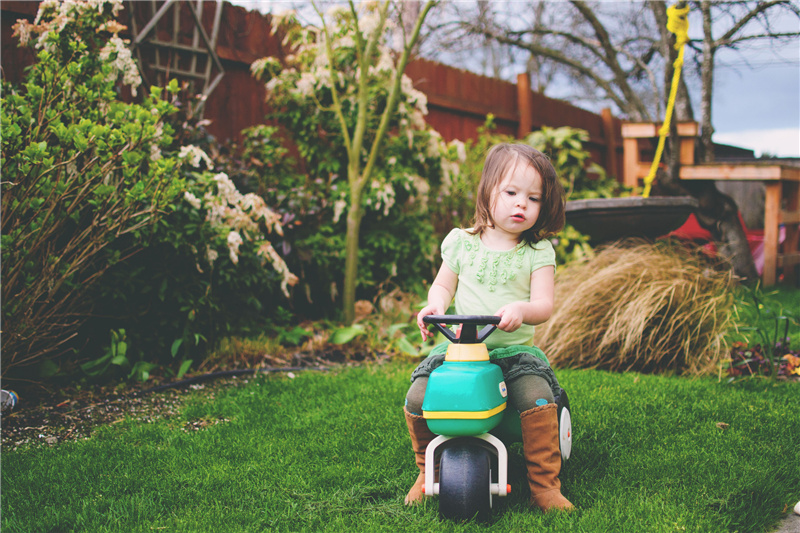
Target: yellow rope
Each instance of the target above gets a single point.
(677, 23)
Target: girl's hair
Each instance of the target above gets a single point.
(502, 159)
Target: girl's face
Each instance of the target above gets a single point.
(516, 203)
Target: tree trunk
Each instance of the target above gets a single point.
(351, 261)
(707, 75)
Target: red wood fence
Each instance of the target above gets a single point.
(458, 101)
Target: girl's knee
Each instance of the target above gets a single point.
(415, 395)
(529, 391)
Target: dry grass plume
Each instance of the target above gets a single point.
(641, 306)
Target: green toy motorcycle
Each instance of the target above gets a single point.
(465, 404)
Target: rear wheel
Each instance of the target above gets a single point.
(564, 426)
(465, 482)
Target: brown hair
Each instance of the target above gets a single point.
(501, 159)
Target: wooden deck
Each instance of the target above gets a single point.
(781, 182)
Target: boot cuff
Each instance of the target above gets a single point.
(539, 409)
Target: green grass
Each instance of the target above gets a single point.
(762, 310)
(330, 452)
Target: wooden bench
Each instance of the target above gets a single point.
(781, 182)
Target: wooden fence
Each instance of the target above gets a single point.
(458, 101)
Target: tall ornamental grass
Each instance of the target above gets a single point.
(641, 306)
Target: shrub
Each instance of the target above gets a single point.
(108, 224)
(640, 306)
(397, 239)
(207, 271)
(78, 176)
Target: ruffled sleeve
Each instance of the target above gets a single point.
(451, 250)
(544, 255)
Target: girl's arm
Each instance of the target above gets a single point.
(535, 311)
(439, 297)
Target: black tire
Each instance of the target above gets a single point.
(464, 482)
(562, 400)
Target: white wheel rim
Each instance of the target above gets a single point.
(491, 501)
(565, 434)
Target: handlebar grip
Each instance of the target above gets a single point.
(461, 319)
(469, 332)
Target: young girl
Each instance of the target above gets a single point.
(504, 265)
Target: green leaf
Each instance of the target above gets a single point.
(345, 335)
(184, 368)
(96, 367)
(406, 347)
(394, 328)
(176, 346)
(48, 369)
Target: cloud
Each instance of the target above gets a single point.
(784, 142)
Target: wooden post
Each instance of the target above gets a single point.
(524, 104)
(611, 143)
(791, 218)
(772, 212)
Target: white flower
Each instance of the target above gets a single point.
(385, 62)
(234, 241)
(211, 255)
(338, 209)
(369, 23)
(435, 144)
(193, 200)
(461, 150)
(226, 189)
(305, 85)
(22, 29)
(195, 156)
(122, 63)
(268, 252)
(155, 152)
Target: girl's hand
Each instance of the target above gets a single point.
(423, 327)
(511, 316)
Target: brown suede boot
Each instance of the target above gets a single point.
(542, 456)
(421, 436)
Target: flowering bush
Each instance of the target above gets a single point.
(209, 270)
(104, 217)
(79, 173)
(397, 238)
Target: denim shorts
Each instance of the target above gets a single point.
(514, 361)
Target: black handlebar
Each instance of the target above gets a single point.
(469, 330)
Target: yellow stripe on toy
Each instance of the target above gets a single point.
(463, 415)
(677, 23)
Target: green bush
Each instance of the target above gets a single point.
(397, 241)
(208, 271)
(78, 178)
(109, 224)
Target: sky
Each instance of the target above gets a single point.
(757, 105)
(756, 102)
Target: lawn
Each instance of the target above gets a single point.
(329, 451)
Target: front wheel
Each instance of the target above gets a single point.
(465, 482)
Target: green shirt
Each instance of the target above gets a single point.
(488, 280)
